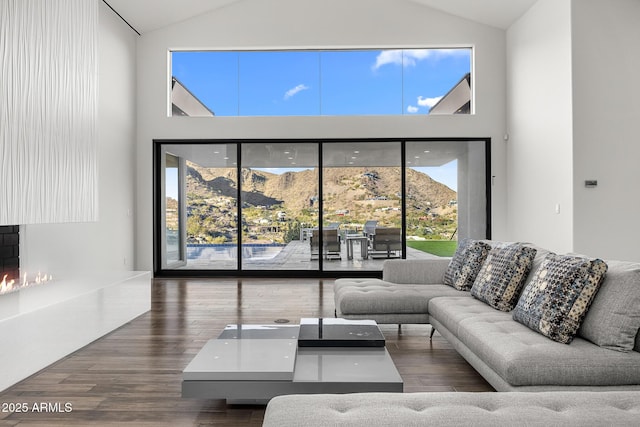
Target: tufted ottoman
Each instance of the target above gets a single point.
(387, 302)
(565, 409)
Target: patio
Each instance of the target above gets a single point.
(296, 255)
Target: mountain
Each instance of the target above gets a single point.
(351, 196)
(343, 187)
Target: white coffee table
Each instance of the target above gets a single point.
(250, 364)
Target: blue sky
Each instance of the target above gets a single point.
(338, 82)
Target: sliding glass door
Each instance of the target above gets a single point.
(279, 205)
(362, 204)
(208, 200)
(446, 196)
(313, 207)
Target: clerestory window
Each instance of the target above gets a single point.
(321, 82)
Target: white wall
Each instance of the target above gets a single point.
(256, 24)
(539, 120)
(105, 245)
(48, 87)
(606, 127)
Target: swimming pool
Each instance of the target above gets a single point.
(230, 251)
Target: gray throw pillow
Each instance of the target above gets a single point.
(502, 276)
(466, 263)
(614, 317)
(558, 296)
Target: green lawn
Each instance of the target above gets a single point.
(435, 247)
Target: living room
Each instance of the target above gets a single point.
(554, 90)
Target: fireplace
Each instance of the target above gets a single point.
(9, 253)
(10, 277)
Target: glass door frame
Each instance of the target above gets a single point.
(161, 270)
(181, 260)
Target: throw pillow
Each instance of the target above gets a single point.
(557, 298)
(502, 275)
(614, 317)
(466, 263)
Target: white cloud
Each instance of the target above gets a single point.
(291, 92)
(428, 102)
(412, 109)
(388, 57)
(409, 57)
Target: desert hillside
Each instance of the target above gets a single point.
(271, 202)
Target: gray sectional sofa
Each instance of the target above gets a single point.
(565, 409)
(593, 380)
(508, 354)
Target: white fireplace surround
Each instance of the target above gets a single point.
(39, 325)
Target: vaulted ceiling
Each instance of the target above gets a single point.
(149, 15)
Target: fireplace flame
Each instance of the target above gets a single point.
(10, 285)
(6, 286)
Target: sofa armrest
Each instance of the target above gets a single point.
(415, 271)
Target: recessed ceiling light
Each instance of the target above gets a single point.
(287, 152)
(216, 152)
(350, 163)
(353, 157)
(356, 152)
(416, 157)
(290, 158)
(427, 151)
(226, 158)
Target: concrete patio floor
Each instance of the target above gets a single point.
(296, 255)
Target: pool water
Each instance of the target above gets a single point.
(230, 252)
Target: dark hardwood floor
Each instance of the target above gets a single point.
(132, 376)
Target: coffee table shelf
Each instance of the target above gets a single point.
(254, 363)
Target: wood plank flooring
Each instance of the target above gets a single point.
(132, 376)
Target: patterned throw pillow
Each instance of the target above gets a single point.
(559, 294)
(503, 274)
(466, 263)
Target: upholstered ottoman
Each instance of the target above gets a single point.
(565, 409)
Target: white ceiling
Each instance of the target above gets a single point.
(496, 13)
(149, 15)
(335, 154)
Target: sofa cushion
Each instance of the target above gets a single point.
(388, 298)
(557, 298)
(351, 282)
(454, 409)
(503, 274)
(415, 271)
(613, 319)
(522, 357)
(466, 263)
